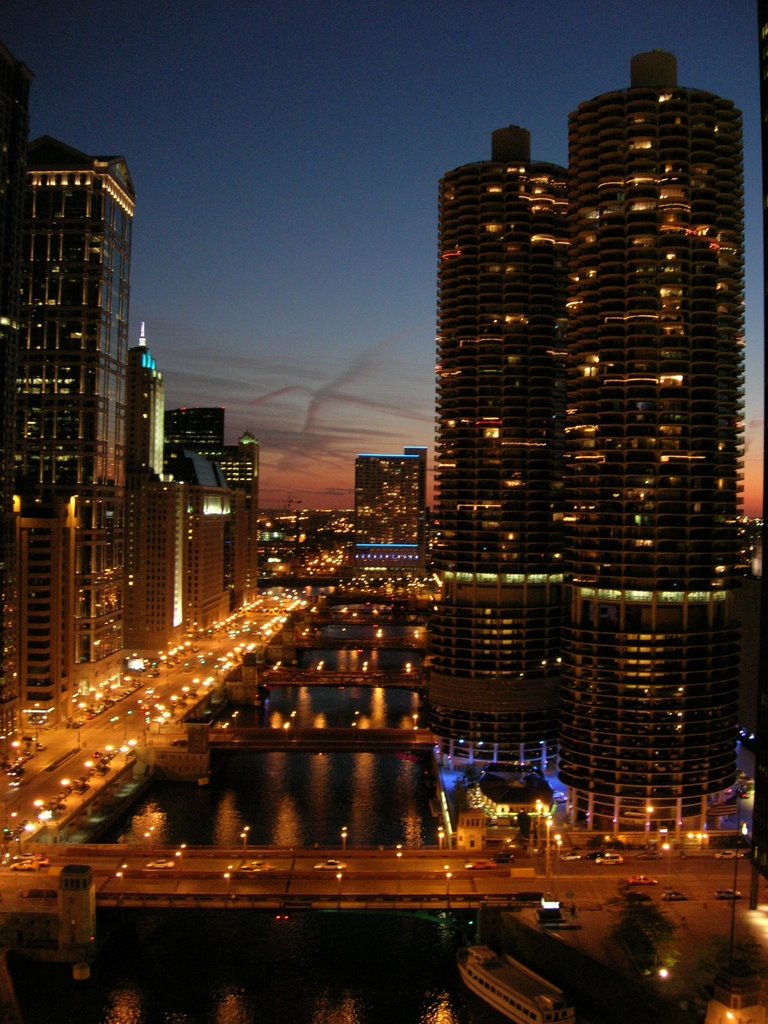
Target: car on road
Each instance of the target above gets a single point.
(642, 880)
(570, 855)
(560, 797)
(24, 865)
(727, 894)
(728, 854)
(157, 864)
(479, 865)
(673, 895)
(330, 865)
(505, 857)
(255, 865)
(609, 858)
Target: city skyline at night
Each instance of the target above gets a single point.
(285, 248)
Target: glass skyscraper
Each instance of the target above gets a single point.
(71, 383)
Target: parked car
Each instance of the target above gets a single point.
(609, 858)
(728, 854)
(570, 855)
(727, 894)
(642, 880)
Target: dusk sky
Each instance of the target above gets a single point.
(286, 157)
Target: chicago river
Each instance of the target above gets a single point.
(219, 967)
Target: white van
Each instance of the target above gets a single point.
(609, 857)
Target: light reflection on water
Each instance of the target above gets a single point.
(301, 799)
(292, 799)
(243, 967)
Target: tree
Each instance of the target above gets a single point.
(645, 931)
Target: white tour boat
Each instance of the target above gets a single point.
(512, 989)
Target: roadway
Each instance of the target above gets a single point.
(150, 712)
(288, 874)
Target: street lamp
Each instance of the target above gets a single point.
(667, 847)
(339, 876)
(344, 838)
(448, 877)
(648, 813)
(440, 836)
(546, 851)
(244, 836)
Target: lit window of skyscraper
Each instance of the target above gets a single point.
(71, 385)
(654, 445)
(390, 514)
(495, 634)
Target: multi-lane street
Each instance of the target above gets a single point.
(144, 708)
(146, 869)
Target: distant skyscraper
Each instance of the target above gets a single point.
(144, 429)
(654, 445)
(79, 211)
(390, 510)
(14, 117)
(199, 429)
(494, 638)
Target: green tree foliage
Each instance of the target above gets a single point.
(643, 929)
(718, 955)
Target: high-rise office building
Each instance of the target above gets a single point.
(71, 394)
(199, 429)
(145, 405)
(15, 78)
(390, 510)
(654, 444)
(495, 634)
(240, 465)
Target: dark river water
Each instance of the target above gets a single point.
(246, 967)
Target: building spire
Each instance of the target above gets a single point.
(142, 336)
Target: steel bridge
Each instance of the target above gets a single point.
(321, 740)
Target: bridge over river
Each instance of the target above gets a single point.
(282, 880)
(321, 740)
(398, 679)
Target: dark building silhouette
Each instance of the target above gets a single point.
(198, 429)
(760, 812)
(654, 447)
(495, 634)
(15, 79)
